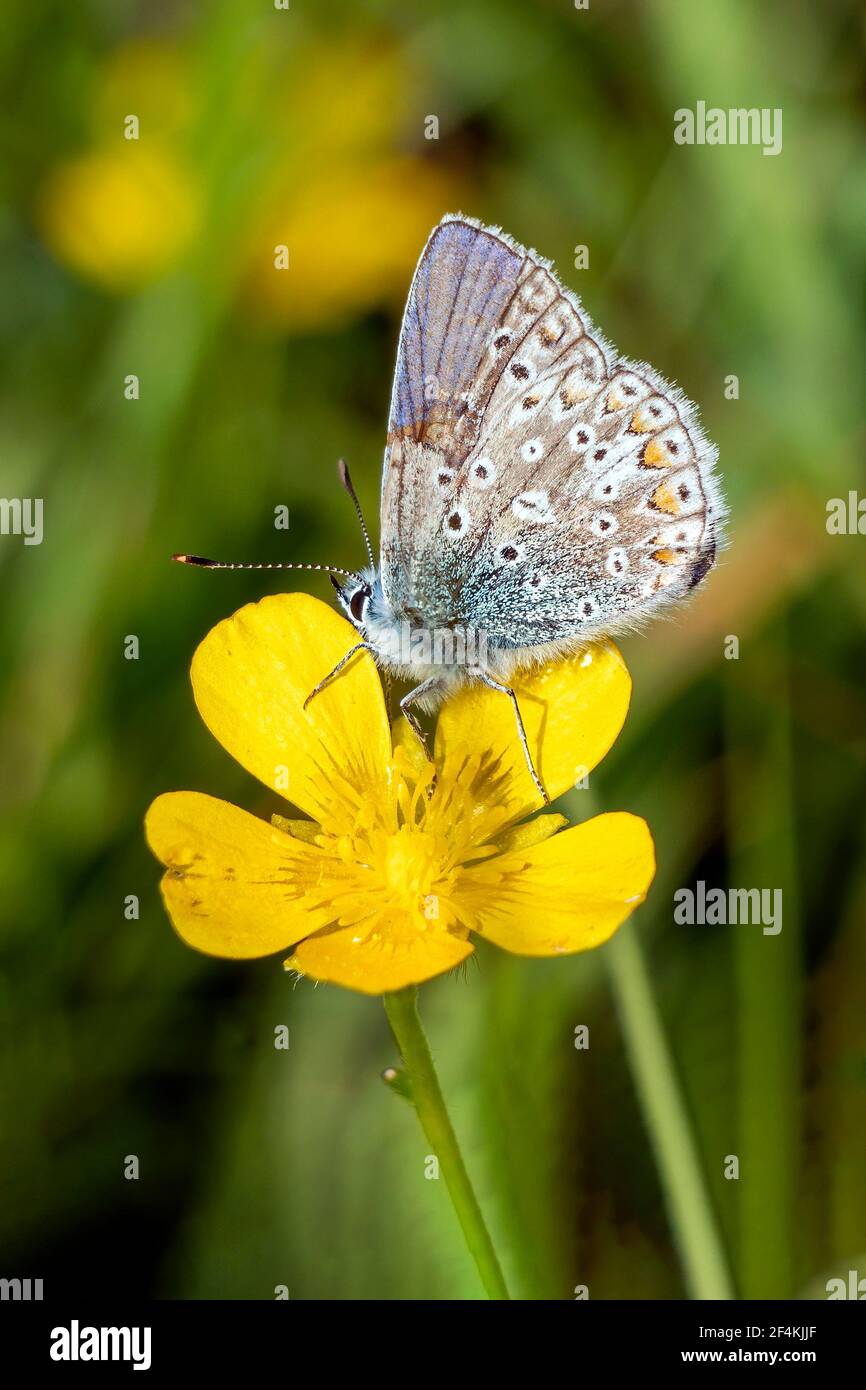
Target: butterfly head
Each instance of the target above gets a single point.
(356, 595)
(386, 632)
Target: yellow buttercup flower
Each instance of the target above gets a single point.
(386, 883)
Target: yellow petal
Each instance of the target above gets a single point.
(377, 962)
(569, 893)
(235, 884)
(250, 677)
(572, 708)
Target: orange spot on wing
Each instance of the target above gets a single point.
(655, 455)
(663, 557)
(642, 423)
(663, 500)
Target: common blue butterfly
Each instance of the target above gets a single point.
(537, 490)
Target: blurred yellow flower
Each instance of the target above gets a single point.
(354, 96)
(352, 240)
(125, 211)
(149, 78)
(349, 202)
(383, 886)
(308, 149)
(120, 218)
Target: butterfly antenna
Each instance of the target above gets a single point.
(259, 565)
(346, 480)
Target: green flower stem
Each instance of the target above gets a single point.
(688, 1203)
(402, 1010)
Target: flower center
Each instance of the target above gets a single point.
(412, 862)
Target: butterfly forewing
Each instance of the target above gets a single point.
(534, 486)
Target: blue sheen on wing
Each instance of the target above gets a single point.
(463, 281)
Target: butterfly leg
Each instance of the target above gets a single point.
(427, 687)
(359, 647)
(506, 690)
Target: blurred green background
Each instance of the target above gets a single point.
(154, 258)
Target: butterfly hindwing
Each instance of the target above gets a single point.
(534, 486)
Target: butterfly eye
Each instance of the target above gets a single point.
(357, 603)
